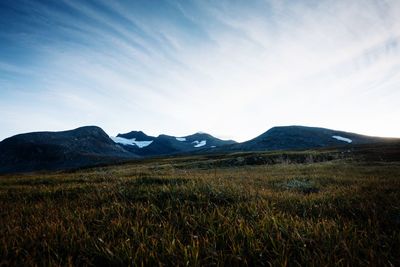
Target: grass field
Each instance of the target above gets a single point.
(196, 211)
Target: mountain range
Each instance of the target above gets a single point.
(59, 150)
(90, 145)
(143, 145)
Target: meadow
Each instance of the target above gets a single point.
(196, 211)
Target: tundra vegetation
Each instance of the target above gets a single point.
(241, 209)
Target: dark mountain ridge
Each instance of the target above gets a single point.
(138, 135)
(169, 145)
(90, 145)
(59, 150)
(302, 137)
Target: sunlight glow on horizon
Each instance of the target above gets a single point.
(228, 68)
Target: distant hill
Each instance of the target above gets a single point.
(301, 138)
(59, 150)
(141, 144)
(138, 135)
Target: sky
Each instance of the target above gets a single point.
(233, 69)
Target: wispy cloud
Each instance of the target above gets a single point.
(231, 68)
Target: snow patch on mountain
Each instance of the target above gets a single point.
(180, 139)
(131, 142)
(199, 143)
(340, 138)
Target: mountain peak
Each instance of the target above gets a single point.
(297, 137)
(137, 135)
(87, 130)
(79, 147)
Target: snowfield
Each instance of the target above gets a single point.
(344, 139)
(131, 142)
(180, 139)
(199, 143)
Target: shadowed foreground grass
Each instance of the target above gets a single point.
(158, 213)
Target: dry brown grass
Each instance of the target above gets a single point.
(170, 212)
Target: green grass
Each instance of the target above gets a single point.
(181, 212)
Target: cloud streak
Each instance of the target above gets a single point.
(229, 68)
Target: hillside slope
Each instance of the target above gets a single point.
(59, 150)
(301, 138)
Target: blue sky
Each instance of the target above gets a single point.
(230, 68)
